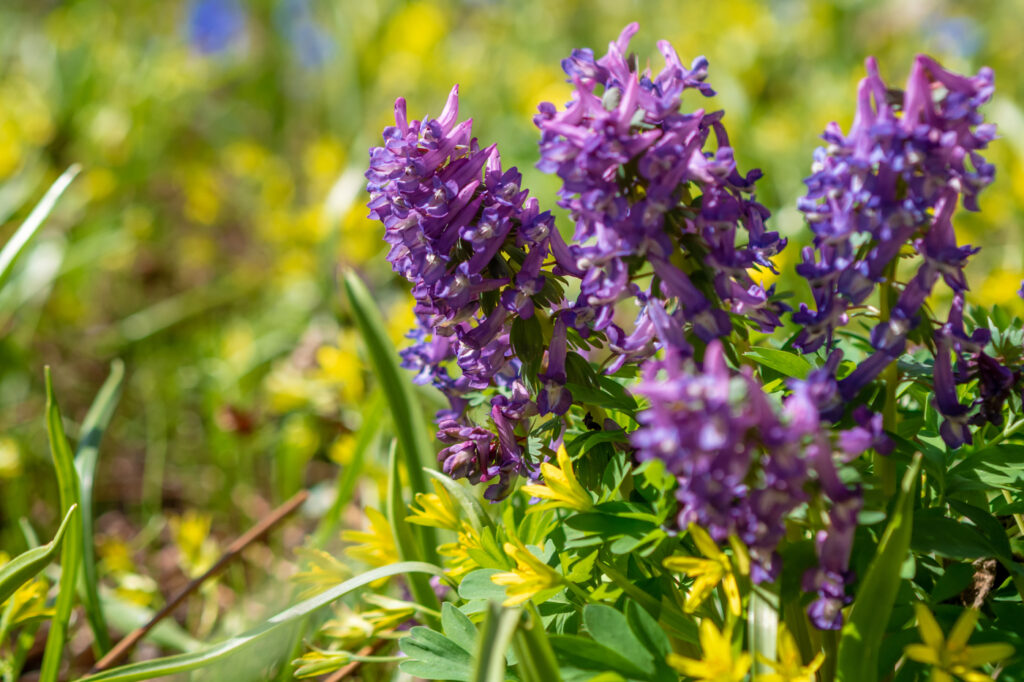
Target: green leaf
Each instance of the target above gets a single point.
(610, 628)
(478, 585)
(457, 626)
(586, 654)
(434, 657)
(862, 635)
(987, 524)
(24, 567)
(1001, 466)
(86, 457)
(410, 427)
(15, 246)
(173, 665)
(762, 626)
(790, 364)
(949, 538)
(608, 525)
(71, 551)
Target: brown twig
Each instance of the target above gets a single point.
(367, 650)
(122, 648)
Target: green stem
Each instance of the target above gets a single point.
(537, 660)
(885, 468)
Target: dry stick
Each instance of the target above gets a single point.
(234, 549)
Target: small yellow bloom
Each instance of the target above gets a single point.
(952, 656)
(718, 663)
(322, 571)
(375, 547)
(435, 509)
(529, 578)
(457, 553)
(790, 668)
(560, 486)
(710, 570)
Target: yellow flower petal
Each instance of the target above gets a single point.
(987, 653)
(929, 628)
(961, 631)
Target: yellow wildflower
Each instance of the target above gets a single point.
(322, 571)
(531, 577)
(718, 663)
(375, 547)
(560, 486)
(789, 667)
(435, 509)
(460, 562)
(952, 656)
(710, 570)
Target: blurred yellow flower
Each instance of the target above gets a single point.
(342, 368)
(561, 488)
(789, 667)
(190, 533)
(376, 546)
(718, 663)
(949, 657)
(709, 571)
(320, 571)
(10, 458)
(530, 578)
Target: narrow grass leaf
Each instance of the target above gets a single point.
(862, 635)
(410, 427)
(28, 565)
(86, 457)
(173, 665)
(408, 545)
(496, 633)
(15, 246)
(71, 551)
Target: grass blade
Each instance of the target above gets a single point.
(172, 665)
(862, 635)
(28, 565)
(762, 626)
(96, 421)
(410, 427)
(71, 551)
(408, 545)
(28, 229)
(496, 633)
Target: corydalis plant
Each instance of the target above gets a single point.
(893, 182)
(644, 186)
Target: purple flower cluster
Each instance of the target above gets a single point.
(644, 187)
(464, 233)
(893, 181)
(743, 465)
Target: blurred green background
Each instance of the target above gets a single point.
(223, 145)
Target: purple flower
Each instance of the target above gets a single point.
(893, 181)
(743, 464)
(630, 160)
(212, 25)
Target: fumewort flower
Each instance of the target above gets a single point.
(743, 464)
(472, 243)
(632, 165)
(892, 183)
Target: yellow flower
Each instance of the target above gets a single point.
(531, 577)
(952, 656)
(436, 509)
(375, 547)
(460, 562)
(789, 668)
(321, 572)
(560, 486)
(718, 663)
(711, 569)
